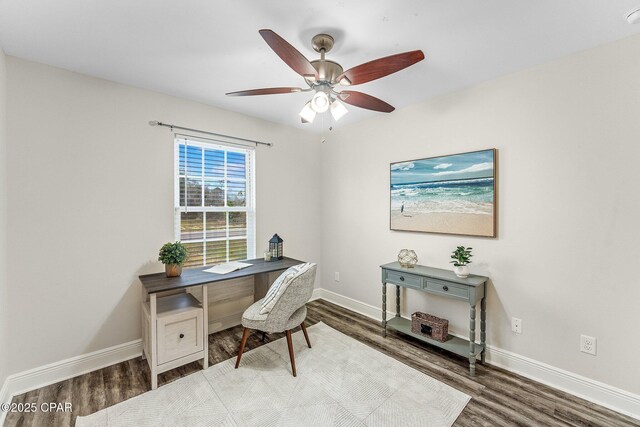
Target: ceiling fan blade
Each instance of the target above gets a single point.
(265, 91)
(381, 67)
(363, 100)
(289, 54)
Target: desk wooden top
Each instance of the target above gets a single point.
(159, 282)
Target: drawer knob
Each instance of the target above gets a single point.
(181, 335)
(402, 278)
(445, 288)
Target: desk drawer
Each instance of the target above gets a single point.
(180, 335)
(404, 279)
(447, 288)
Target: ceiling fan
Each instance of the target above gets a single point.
(323, 76)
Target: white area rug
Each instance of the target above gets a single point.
(341, 382)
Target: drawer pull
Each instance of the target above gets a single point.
(402, 278)
(445, 288)
(181, 335)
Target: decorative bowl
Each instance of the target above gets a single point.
(407, 258)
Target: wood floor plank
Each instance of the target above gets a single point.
(499, 398)
(46, 415)
(88, 394)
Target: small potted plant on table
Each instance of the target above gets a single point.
(461, 258)
(173, 255)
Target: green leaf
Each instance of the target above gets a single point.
(173, 253)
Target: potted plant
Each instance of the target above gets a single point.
(461, 257)
(173, 255)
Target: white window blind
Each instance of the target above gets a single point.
(214, 201)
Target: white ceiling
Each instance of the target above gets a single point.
(200, 49)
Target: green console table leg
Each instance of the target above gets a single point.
(384, 309)
(483, 328)
(397, 301)
(472, 341)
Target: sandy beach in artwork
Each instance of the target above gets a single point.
(442, 222)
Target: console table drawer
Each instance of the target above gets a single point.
(446, 288)
(403, 279)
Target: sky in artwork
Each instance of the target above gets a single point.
(474, 165)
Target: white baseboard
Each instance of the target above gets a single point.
(588, 389)
(594, 391)
(354, 305)
(65, 369)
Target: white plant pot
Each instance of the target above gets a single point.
(462, 271)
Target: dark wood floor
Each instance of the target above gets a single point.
(499, 398)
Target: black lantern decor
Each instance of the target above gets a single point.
(275, 247)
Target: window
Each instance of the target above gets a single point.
(214, 201)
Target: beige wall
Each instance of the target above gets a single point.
(90, 196)
(4, 306)
(564, 262)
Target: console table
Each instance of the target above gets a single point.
(444, 283)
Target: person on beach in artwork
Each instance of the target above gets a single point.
(402, 211)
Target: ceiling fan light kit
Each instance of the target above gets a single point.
(322, 76)
(320, 102)
(307, 113)
(338, 110)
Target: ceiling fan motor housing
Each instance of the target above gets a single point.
(328, 72)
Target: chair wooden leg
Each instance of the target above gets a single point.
(290, 344)
(245, 335)
(306, 336)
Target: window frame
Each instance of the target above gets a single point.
(250, 199)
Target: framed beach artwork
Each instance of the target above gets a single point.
(453, 194)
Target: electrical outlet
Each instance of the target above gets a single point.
(336, 276)
(516, 325)
(588, 344)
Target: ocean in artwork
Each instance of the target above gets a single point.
(449, 194)
(474, 196)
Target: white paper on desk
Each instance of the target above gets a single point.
(227, 267)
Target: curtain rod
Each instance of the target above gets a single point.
(203, 138)
(172, 127)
